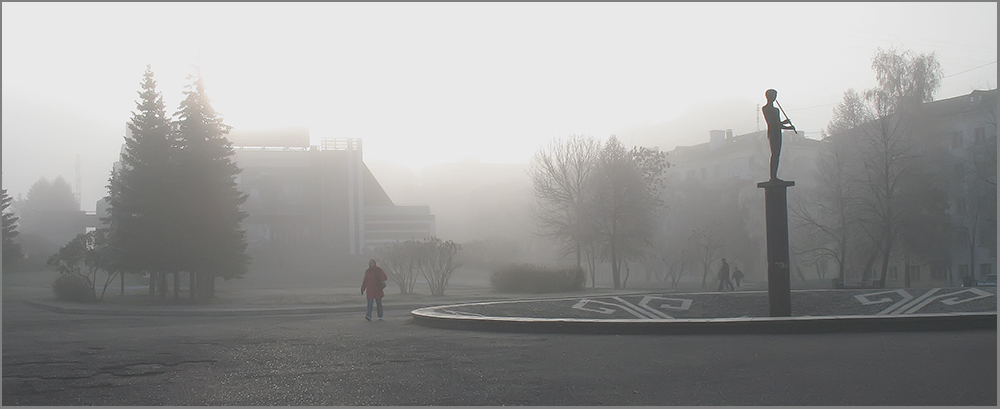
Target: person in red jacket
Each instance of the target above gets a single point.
(373, 282)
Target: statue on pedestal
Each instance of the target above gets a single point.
(774, 127)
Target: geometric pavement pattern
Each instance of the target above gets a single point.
(668, 306)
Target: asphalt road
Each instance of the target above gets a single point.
(341, 359)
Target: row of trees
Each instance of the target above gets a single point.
(49, 196)
(173, 202)
(885, 175)
(11, 250)
(430, 258)
(598, 200)
(885, 183)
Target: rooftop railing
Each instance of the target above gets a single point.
(341, 144)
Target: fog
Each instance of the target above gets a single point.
(452, 100)
(436, 83)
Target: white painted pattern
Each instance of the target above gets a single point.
(581, 305)
(909, 305)
(951, 301)
(864, 299)
(641, 311)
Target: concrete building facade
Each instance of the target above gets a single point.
(308, 204)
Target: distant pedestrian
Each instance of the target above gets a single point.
(738, 276)
(374, 282)
(724, 276)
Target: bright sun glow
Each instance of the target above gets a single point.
(425, 83)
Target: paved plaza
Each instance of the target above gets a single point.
(293, 347)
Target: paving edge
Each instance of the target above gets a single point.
(205, 312)
(758, 325)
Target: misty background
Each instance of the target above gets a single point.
(453, 99)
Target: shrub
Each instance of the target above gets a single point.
(527, 278)
(73, 288)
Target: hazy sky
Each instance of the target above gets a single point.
(424, 83)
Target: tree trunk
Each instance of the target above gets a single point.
(193, 284)
(866, 272)
(885, 263)
(616, 272)
(578, 255)
(163, 284)
(704, 273)
(627, 271)
(972, 253)
(842, 260)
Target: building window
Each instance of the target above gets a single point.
(963, 270)
(985, 269)
(956, 140)
(913, 272)
(980, 135)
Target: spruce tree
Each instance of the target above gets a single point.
(142, 235)
(215, 242)
(11, 250)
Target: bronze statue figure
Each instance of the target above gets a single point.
(774, 127)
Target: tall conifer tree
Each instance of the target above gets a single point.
(141, 214)
(215, 243)
(11, 250)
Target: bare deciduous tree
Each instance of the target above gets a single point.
(560, 177)
(623, 207)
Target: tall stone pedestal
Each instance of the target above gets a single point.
(779, 286)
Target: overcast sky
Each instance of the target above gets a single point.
(424, 83)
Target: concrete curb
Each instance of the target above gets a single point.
(759, 325)
(428, 314)
(224, 311)
(207, 312)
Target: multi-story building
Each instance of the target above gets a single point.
(955, 139)
(314, 207)
(725, 172)
(309, 204)
(965, 127)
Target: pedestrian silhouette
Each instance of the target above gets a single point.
(374, 282)
(724, 276)
(738, 276)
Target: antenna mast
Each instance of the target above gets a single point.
(77, 178)
(758, 117)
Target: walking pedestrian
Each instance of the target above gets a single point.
(738, 276)
(374, 282)
(724, 276)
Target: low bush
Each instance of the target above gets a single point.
(527, 278)
(70, 287)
